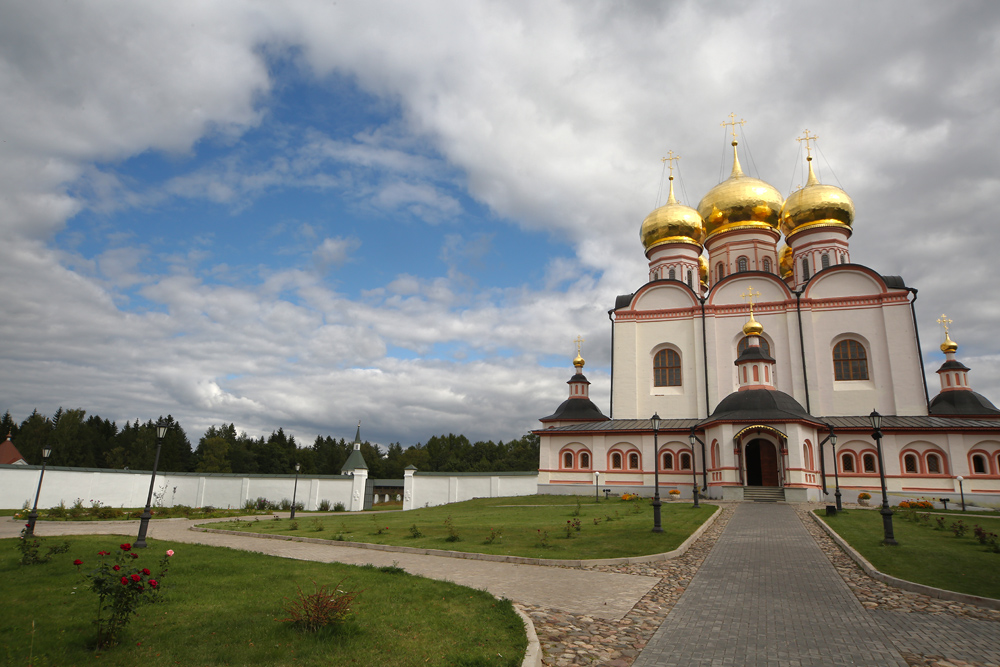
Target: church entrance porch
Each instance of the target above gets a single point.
(761, 463)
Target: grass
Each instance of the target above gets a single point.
(924, 555)
(508, 526)
(220, 607)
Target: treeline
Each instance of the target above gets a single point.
(92, 442)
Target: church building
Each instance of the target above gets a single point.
(762, 364)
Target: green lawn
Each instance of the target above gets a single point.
(608, 529)
(924, 555)
(220, 606)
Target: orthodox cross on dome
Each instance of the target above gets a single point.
(807, 138)
(670, 159)
(944, 321)
(578, 340)
(733, 122)
(748, 296)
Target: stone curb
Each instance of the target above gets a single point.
(520, 560)
(911, 586)
(532, 654)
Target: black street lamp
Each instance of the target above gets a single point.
(33, 514)
(692, 438)
(876, 420)
(140, 541)
(295, 488)
(597, 485)
(836, 475)
(961, 490)
(655, 419)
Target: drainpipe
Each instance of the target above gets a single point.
(611, 414)
(704, 352)
(802, 347)
(920, 353)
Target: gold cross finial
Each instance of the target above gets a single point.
(807, 138)
(944, 321)
(670, 159)
(578, 340)
(733, 122)
(748, 297)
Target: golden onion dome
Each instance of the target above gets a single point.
(672, 223)
(948, 345)
(740, 202)
(703, 269)
(753, 327)
(785, 261)
(816, 205)
(578, 362)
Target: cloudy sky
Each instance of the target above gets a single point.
(303, 214)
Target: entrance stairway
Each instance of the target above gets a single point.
(764, 494)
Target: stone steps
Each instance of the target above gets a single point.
(764, 494)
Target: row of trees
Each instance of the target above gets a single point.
(91, 442)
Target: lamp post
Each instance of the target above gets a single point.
(692, 438)
(655, 419)
(33, 514)
(961, 490)
(295, 488)
(836, 475)
(140, 541)
(597, 477)
(876, 420)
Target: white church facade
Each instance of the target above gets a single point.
(763, 364)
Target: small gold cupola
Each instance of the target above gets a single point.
(816, 204)
(673, 222)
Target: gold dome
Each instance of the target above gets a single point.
(816, 205)
(703, 269)
(753, 327)
(785, 261)
(578, 362)
(948, 345)
(672, 223)
(740, 202)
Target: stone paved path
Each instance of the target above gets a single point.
(766, 595)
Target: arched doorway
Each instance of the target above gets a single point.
(762, 463)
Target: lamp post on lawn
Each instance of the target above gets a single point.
(140, 541)
(692, 438)
(33, 514)
(295, 488)
(876, 420)
(836, 476)
(961, 490)
(597, 484)
(655, 419)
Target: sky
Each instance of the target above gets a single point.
(306, 214)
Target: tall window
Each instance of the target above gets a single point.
(850, 362)
(767, 265)
(805, 269)
(690, 279)
(933, 464)
(667, 369)
(847, 463)
(979, 464)
(910, 464)
(616, 461)
(672, 274)
(720, 271)
(742, 264)
(668, 461)
(869, 462)
(568, 460)
(633, 461)
(685, 461)
(826, 260)
(764, 346)
(584, 460)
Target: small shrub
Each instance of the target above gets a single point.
(576, 512)
(496, 535)
(939, 520)
(453, 535)
(323, 607)
(415, 532)
(316, 526)
(58, 512)
(285, 504)
(30, 548)
(629, 497)
(324, 506)
(249, 505)
(916, 505)
(569, 529)
(980, 533)
(597, 520)
(263, 504)
(109, 513)
(543, 538)
(340, 538)
(76, 511)
(294, 525)
(925, 518)
(338, 507)
(959, 528)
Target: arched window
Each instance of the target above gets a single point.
(933, 464)
(584, 460)
(767, 265)
(910, 464)
(979, 464)
(668, 461)
(764, 346)
(847, 463)
(843, 259)
(720, 271)
(666, 369)
(656, 274)
(869, 462)
(850, 362)
(807, 458)
(742, 264)
(825, 259)
(616, 461)
(633, 461)
(568, 460)
(716, 455)
(690, 279)
(805, 269)
(672, 274)
(685, 461)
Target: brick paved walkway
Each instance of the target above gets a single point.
(767, 596)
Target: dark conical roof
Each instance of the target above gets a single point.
(576, 409)
(760, 405)
(962, 403)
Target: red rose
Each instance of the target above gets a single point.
(124, 581)
(153, 583)
(125, 547)
(116, 568)
(145, 571)
(135, 555)
(78, 562)
(103, 553)
(136, 577)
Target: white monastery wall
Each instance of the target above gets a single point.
(429, 489)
